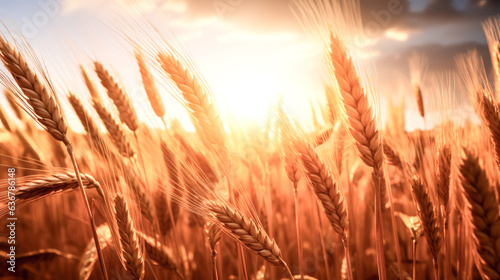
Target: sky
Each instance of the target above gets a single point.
(249, 51)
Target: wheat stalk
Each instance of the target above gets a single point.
(131, 253)
(444, 177)
(484, 218)
(119, 97)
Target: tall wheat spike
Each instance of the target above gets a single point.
(131, 251)
(484, 218)
(120, 98)
(327, 191)
(427, 215)
(363, 128)
(150, 86)
(116, 133)
(196, 98)
(490, 115)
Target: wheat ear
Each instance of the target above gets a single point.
(393, 156)
(39, 100)
(53, 184)
(491, 119)
(196, 99)
(118, 136)
(214, 234)
(484, 217)
(89, 257)
(247, 233)
(94, 93)
(420, 99)
(82, 114)
(428, 217)
(363, 128)
(150, 86)
(119, 97)
(42, 104)
(327, 191)
(131, 251)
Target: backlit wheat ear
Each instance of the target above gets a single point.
(53, 184)
(491, 28)
(90, 86)
(119, 97)
(160, 254)
(196, 99)
(37, 98)
(214, 234)
(327, 191)
(418, 69)
(393, 156)
(118, 136)
(150, 86)
(484, 217)
(162, 212)
(84, 117)
(490, 115)
(138, 188)
(360, 116)
(417, 90)
(247, 232)
(132, 256)
(89, 257)
(427, 215)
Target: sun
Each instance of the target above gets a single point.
(248, 95)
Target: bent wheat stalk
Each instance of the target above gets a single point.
(38, 99)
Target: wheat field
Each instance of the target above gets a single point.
(351, 196)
